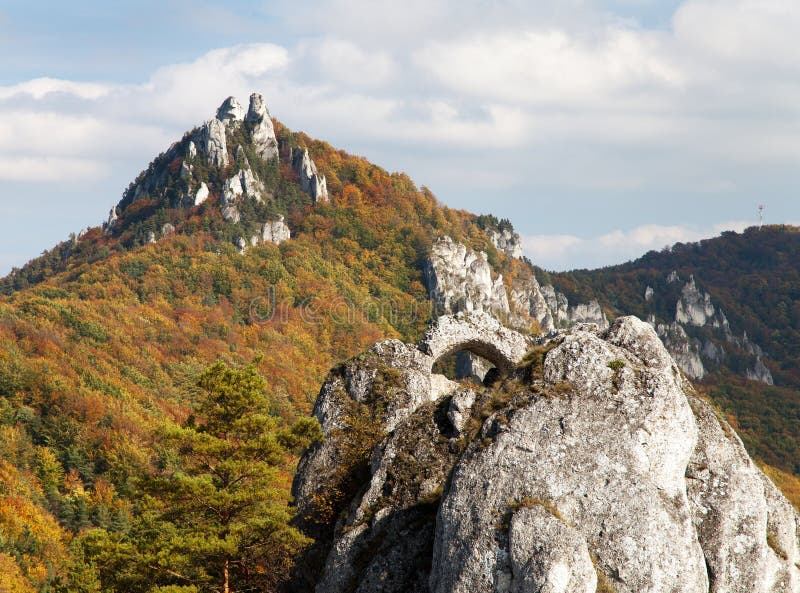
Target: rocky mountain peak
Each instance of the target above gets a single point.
(590, 463)
(257, 109)
(230, 111)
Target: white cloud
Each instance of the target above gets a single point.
(343, 62)
(550, 66)
(39, 88)
(560, 252)
(49, 169)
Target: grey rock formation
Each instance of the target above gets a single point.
(262, 130)
(760, 372)
(230, 111)
(211, 138)
(596, 464)
(685, 350)
(113, 217)
(558, 305)
(201, 195)
(243, 184)
(526, 297)
(506, 241)
(547, 555)
(694, 307)
(648, 293)
(737, 512)
(673, 277)
(460, 279)
(481, 334)
(151, 238)
(241, 244)
(311, 181)
(191, 151)
(275, 231)
(563, 315)
(167, 229)
(590, 312)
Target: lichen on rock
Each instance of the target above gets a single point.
(590, 460)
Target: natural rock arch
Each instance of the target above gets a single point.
(478, 333)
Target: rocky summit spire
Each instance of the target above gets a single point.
(262, 132)
(311, 181)
(230, 111)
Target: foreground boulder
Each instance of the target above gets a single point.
(589, 465)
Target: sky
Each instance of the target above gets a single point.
(601, 128)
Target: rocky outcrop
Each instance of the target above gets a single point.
(275, 231)
(694, 307)
(507, 241)
(113, 217)
(460, 279)
(201, 195)
(230, 112)
(213, 143)
(588, 313)
(526, 297)
(685, 350)
(262, 131)
(760, 372)
(242, 185)
(592, 465)
(563, 315)
(311, 182)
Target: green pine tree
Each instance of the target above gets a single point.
(213, 518)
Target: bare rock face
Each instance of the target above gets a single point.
(262, 130)
(593, 464)
(547, 555)
(588, 313)
(737, 512)
(685, 350)
(113, 217)
(202, 194)
(213, 143)
(230, 111)
(460, 279)
(760, 372)
(526, 296)
(506, 241)
(622, 489)
(694, 307)
(275, 231)
(311, 182)
(242, 185)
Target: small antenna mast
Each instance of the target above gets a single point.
(760, 216)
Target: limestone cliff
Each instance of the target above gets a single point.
(230, 162)
(589, 464)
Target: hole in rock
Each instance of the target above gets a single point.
(464, 366)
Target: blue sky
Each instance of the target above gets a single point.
(601, 129)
